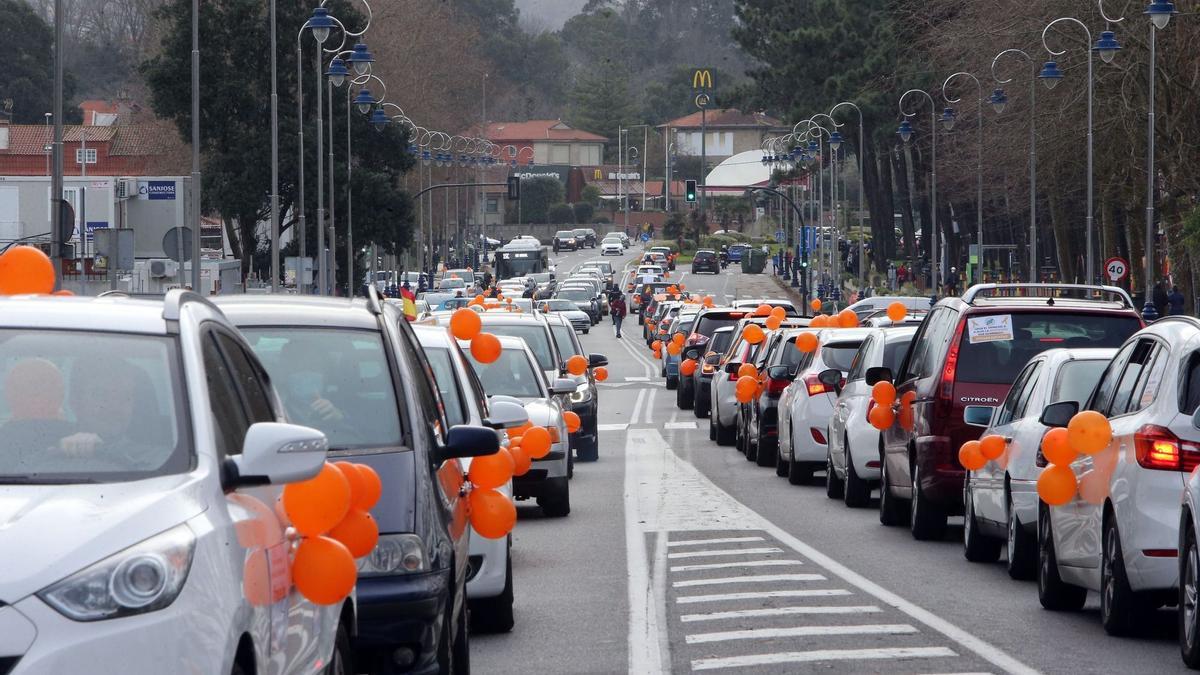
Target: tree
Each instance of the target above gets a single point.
(583, 212)
(28, 71)
(537, 195)
(601, 103)
(674, 226)
(730, 211)
(561, 214)
(590, 195)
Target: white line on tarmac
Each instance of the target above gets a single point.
(637, 379)
(821, 655)
(725, 551)
(612, 427)
(679, 425)
(645, 633)
(637, 407)
(649, 409)
(801, 631)
(781, 611)
(723, 540)
(748, 579)
(759, 595)
(728, 565)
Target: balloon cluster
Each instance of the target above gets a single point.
(492, 513)
(843, 319)
(1088, 433)
(465, 324)
(26, 270)
(331, 511)
(974, 455)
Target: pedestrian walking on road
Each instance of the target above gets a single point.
(1159, 298)
(617, 309)
(1176, 301)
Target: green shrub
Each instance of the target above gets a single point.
(561, 213)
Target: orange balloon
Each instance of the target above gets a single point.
(493, 515)
(819, 321)
(762, 310)
(897, 311)
(884, 393)
(754, 334)
(485, 347)
(479, 299)
(521, 460)
(577, 365)
(746, 388)
(63, 292)
(357, 481)
(536, 442)
(847, 319)
(656, 345)
(1057, 485)
(970, 456)
(517, 432)
(678, 339)
(1056, 449)
(882, 417)
(572, 420)
(708, 301)
(601, 374)
(314, 506)
(815, 304)
(1089, 432)
(908, 398)
(358, 532)
(687, 368)
(1094, 487)
(779, 312)
(25, 269)
(672, 290)
(491, 471)
(806, 342)
(747, 370)
(256, 578)
(682, 287)
(773, 322)
(658, 354)
(323, 570)
(674, 349)
(465, 324)
(992, 446)
(373, 487)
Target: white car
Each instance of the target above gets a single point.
(580, 320)
(612, 247)
(1189, 569)
(141, 453)
(490, 589)
(806, 406)
(853, 443)
(1119, 535)
(644, 271)
(723, 403)
(868, 306)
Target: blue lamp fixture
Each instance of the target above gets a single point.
(835, 140)
(320, 23)
(379, 119)
(337, 71)
(364, 101)
(948, 119)
(1107, 46)
(814, 150)
(1050, 74)
(361, 59)
(999, 101)
(530, 162)
(1160, 12)
(905, 131)
(426, 157)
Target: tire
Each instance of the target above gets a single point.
(495, 615)
(585, 330)
(797, 474)
(1055, 594)
(342, 661)
(725, 435)
(781, 465)
(767, 448)
(701, 407)
(1121, 609)
(712, 430)
(1189, 617)
(558, 503)
(589, 451)
(891, 508)
(1021, 548)
(570, 463)
(926, 521)
(976, 547)
(461, 649)
(834, 487)
(672, 383)
(858, 491)
(683, 400)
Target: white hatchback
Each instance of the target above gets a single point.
(141, 453)
(612, 247)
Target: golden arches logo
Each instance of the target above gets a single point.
(702, 79)
(598, 175)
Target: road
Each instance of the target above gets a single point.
(680, 556)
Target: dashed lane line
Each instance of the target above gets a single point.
(781, 611)
(822, 655)
(801, 631)
(674, 426)
(612, 427)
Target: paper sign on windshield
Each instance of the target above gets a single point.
(990, 328)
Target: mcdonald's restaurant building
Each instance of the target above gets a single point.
(727, 132)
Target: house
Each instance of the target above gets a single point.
(729, 132)
(549, 142)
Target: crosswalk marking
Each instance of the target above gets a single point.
(781, 611)
(761, 578)
(758, 595)
(801, 631)
(727, 565)
(637, 379)
(821, 655)
(725, 551)
(679, 425)
(612, 427)
(725, 540)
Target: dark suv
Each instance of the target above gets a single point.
(694, 390)
(564, 240)
(967, 352)
(585, 237)
(706, 261)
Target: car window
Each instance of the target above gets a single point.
(1139, 359)
(710, 322)
(1031, 385)
(535, 335)
(228, 416)
(916, 355)
(839, 354)
(720, 341)
(1076, 380)
(857, 364)
(936, 342)
(1009, 406)
(250, 379)
(509, 375)
(564, 340)
(894, 352)
(1103, 395)
(442, 365)
(1147, 387)
(1189, 392)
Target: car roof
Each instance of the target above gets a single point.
(292, 310)
(116, 313)
(432, 336)
(1042, 297)
(512, 318)
(834, 335)
(1058, 356)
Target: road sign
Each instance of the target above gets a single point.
(702, 80)
(645, 236)
(1116, 269)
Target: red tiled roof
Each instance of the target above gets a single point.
(31, 139)
(537, 130)
(132, 139)
(727, 117)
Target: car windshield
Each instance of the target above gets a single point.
(90, 408)
(332, 379)
(562, 340)
(540, 277)
(1077, 379)
(509, 375)
(452, 283)
(563, 234)
(839, 355)
(442, 365)
(534, 335)
(559, 305)
(578, 294)
(995, 347)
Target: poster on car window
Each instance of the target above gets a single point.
(994, 328)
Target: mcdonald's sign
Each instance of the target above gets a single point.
(702, 79)
(598, 175)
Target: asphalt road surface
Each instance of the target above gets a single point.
(680, 556)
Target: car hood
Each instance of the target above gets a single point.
(576, 315)
(542, 413)
(49, 532)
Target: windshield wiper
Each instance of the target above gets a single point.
(36, 479)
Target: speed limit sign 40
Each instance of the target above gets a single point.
(1116, 269)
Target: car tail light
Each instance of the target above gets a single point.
(872, 464)
(1158, 448)
(696, 339)
(816, 386)
(775, 387)
(707, 369)
(817, 435)
(947, 388)
(1160, 552)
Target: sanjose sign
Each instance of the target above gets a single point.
(157, 189)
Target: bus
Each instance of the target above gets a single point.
(519, 258)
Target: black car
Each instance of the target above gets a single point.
(585, 401)
(355, 371)
(586, 236)
(564, 240)
(706, 261)
(697, 346)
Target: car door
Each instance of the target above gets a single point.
(870, 352)
(988, 483)
(918, 366)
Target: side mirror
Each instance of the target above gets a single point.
(597, 360)
(1059, 414)
(732, 367)
(691, 353)
(878, 374)
(275, 453)
(780, 372)
(831, 378)
(465, 440)
(506, 415)
(978, 415)
(563, 387)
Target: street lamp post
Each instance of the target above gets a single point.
(948, 123)
(862, 235)
(906, 132)
(999, 101)
(833, 251)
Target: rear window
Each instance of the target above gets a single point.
(705, 255)
(720, 341)
(1076, 380)
(563, 234)
(535, 335)
(709, 323)
(839, 355)
(997, 357)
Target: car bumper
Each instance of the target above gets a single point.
(864, 450)
(533, 483)
(401, 611)
(583, 323)
(942, 478)
(589, 414)
(488, 558)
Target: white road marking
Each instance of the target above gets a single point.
(822, 655)
(748, 580)
(801, 631)
(759, 595)
(782, 611)
(725, 551)
(723, 540)
(637, 379)
(637, 407)
(645, 633)
(679, 425)
(727, 565)
(649, 368)
(649, 408)
(612, 427)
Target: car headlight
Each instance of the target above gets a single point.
(395, 554)
(143, 578)
(582, 393)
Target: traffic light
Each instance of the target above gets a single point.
(689, 191)
(514, 188)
